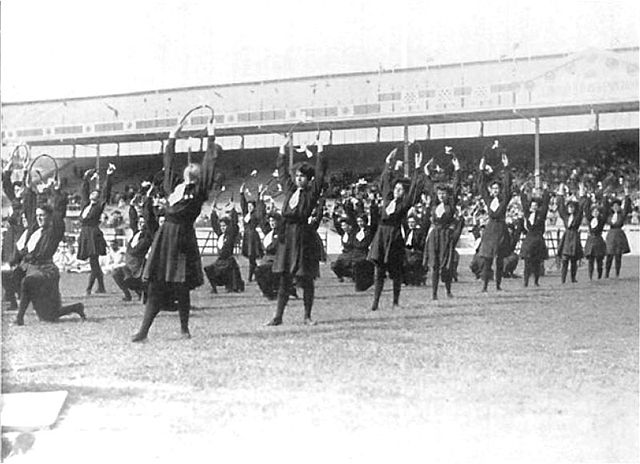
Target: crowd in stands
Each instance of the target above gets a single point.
(607, 170)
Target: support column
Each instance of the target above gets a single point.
(98, 157)
(537, 152)
(290, 152)
(406, 150)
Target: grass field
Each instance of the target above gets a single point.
(545, 374)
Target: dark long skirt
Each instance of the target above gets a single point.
(570, 246)
(387, 249)
(495, 240)
(40, 286)
(595, 247)
(91, 242)
(174, 256)
(534, 247)
(225, 272)
(414, 272)
(617, 243)
(299, 251)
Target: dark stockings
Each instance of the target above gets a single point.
(532, 266)
(565, 268)
(487, 272)
(599, 263)
(379, 275)
(252, 267)
(618, 259)
(96, 274)
(160, 294)
(284, 291)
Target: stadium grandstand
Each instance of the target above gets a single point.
(552, 112)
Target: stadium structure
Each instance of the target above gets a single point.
(593, 90)
(547, 106)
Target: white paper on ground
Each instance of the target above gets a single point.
(31, 410)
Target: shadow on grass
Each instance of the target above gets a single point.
(337, 325)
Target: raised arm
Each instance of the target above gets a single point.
(386, 178)
(243, 201)
(215, 222)
(562, 210)
(284, 176)
(7, 184)
(168, 163)
(525, 202)
(85, 188)
(108, 184)
(321, 170)
(209, 160)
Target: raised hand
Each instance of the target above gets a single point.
(418, 159)
(505, 160)
(456, 163)
(174, 132)
(111, 169)
(211, 128)
(391, 156)
(284, 141)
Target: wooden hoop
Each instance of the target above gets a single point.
(43, 155)
(193, 110)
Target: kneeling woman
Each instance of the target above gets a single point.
(225, 270)
(40, 284)
(173, 267)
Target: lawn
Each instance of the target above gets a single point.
(546, 374)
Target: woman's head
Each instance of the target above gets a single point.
(43, 215)
(274, 220)
(616, 205)
(94, 196)
(361, 221)
(399, 189)
(191, 173)
(18, 189)
(571, 207)
(304, 174)
(224, 224)
(411, 222)
(595, 212)
(345, 223)
(494, 189)
(142, 222)
(442, 193)
(535, 204)
(251, 206)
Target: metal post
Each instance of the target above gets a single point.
(537, 153)
(290, 151)
(406, 150)
(98, 157)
